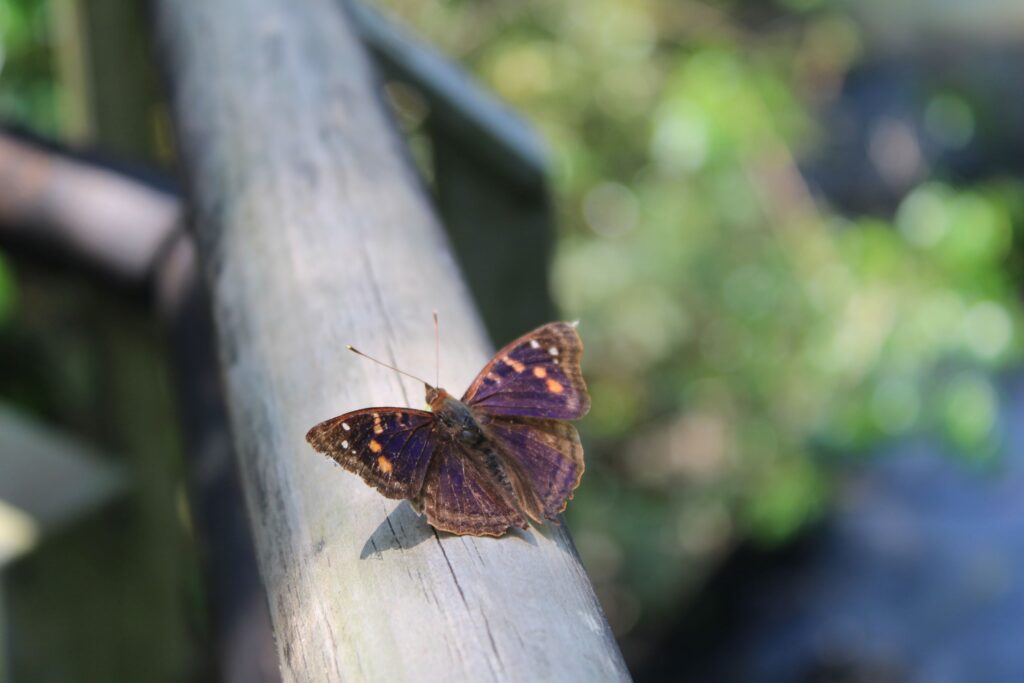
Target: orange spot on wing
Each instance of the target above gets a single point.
(540, 373)
(555, 387)
(374, 446)
(513, 363)
(383, 463)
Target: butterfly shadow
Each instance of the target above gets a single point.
(402, 529)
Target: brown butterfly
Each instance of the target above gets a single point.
(502, 454)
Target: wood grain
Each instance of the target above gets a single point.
(314, 233)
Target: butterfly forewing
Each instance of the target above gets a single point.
(390, 448)
(457, 499)
(537, 375)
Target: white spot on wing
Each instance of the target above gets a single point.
(534, 344)
(344, 444)
(344, 425)
(553, 350)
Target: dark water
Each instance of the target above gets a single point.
(917, 575)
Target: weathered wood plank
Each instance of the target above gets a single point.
(67, 208)
(490, 178)
(458, 104)
(501, 232)
(49, 478)
(240, 627)
(314, 232)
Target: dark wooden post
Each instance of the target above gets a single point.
(314, 232)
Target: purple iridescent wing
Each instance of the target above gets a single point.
(537, 375)
(458, 500)
(546, 453)
(390, 448)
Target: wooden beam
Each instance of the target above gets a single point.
(314, 232)
(81, 213)
(240, 628)
(48, 482)
(52, 488)
(459, 105)
(500, 232)
(490, 178)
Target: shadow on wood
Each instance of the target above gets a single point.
(402, 529)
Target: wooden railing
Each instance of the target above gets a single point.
(314, 231)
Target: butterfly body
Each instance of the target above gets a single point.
(454, 418)
(501, 455)
(457, 424)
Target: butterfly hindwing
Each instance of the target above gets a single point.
(537, 375)
(548, 453)
(458, 500)
(390, 448)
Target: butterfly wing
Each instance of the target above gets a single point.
(457, 499)
(547, 454)
(390, 448)
(537, 375)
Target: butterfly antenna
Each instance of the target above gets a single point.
(437, 350)
(392, 367)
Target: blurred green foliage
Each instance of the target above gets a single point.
(27, 88)
(736, 325)
(8, 292)
(27, 84)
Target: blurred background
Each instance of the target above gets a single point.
(791, 230)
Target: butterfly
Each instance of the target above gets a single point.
(501, 455)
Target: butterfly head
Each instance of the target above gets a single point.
(436, 397)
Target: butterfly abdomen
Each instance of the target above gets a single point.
(457, 419)
(461, 425)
